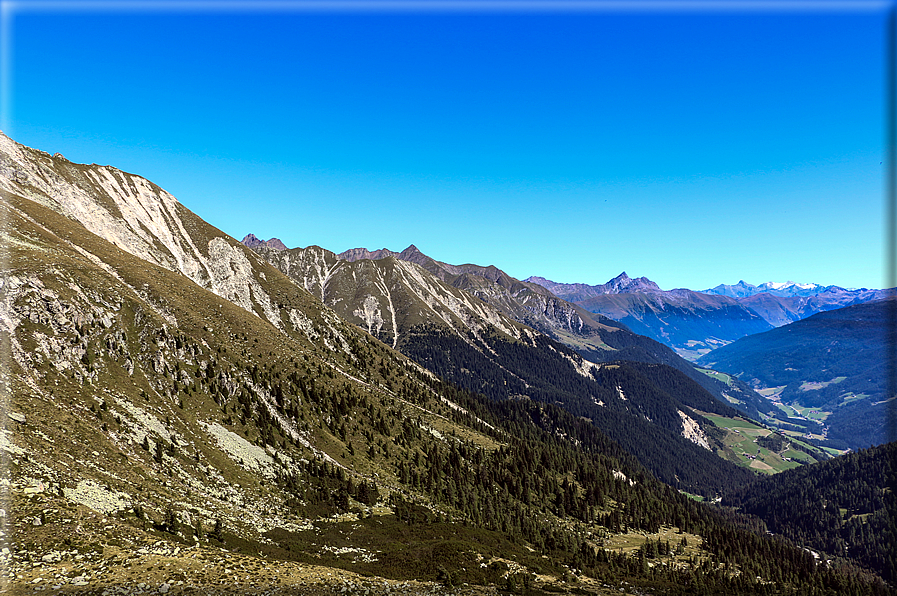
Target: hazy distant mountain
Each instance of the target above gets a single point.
(791, 289)
(740, 290)
(781, 310)
(743, 289)
(579, 292)
(836, 362)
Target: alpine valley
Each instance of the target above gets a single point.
(819, 354)
(188, 414)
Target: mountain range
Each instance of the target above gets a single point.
(431, 302)
(595, 337)
(788, 289)
(184, 417)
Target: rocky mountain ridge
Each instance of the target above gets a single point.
(479, 340)
(525, 303)
(597, 338)
(621, 284)
(203, 393)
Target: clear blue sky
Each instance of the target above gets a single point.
(691, 146)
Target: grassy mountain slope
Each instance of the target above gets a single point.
(203, 420)
(168, 414)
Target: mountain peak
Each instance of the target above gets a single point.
(740, 290)
(623, 284)
(251, 241)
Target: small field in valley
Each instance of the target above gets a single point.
(716, 375)
(762, 449)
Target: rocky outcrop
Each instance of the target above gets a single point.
(357, 254)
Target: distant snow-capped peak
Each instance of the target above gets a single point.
(785, 289)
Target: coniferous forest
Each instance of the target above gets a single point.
(845, 507)
(505, 497)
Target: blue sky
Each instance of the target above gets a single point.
(694, 146)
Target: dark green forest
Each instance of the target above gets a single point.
(555, 484)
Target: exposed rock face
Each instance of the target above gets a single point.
(692, 431)
(523, 302)
(357, 254)
(388, 297)
(140, 218)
